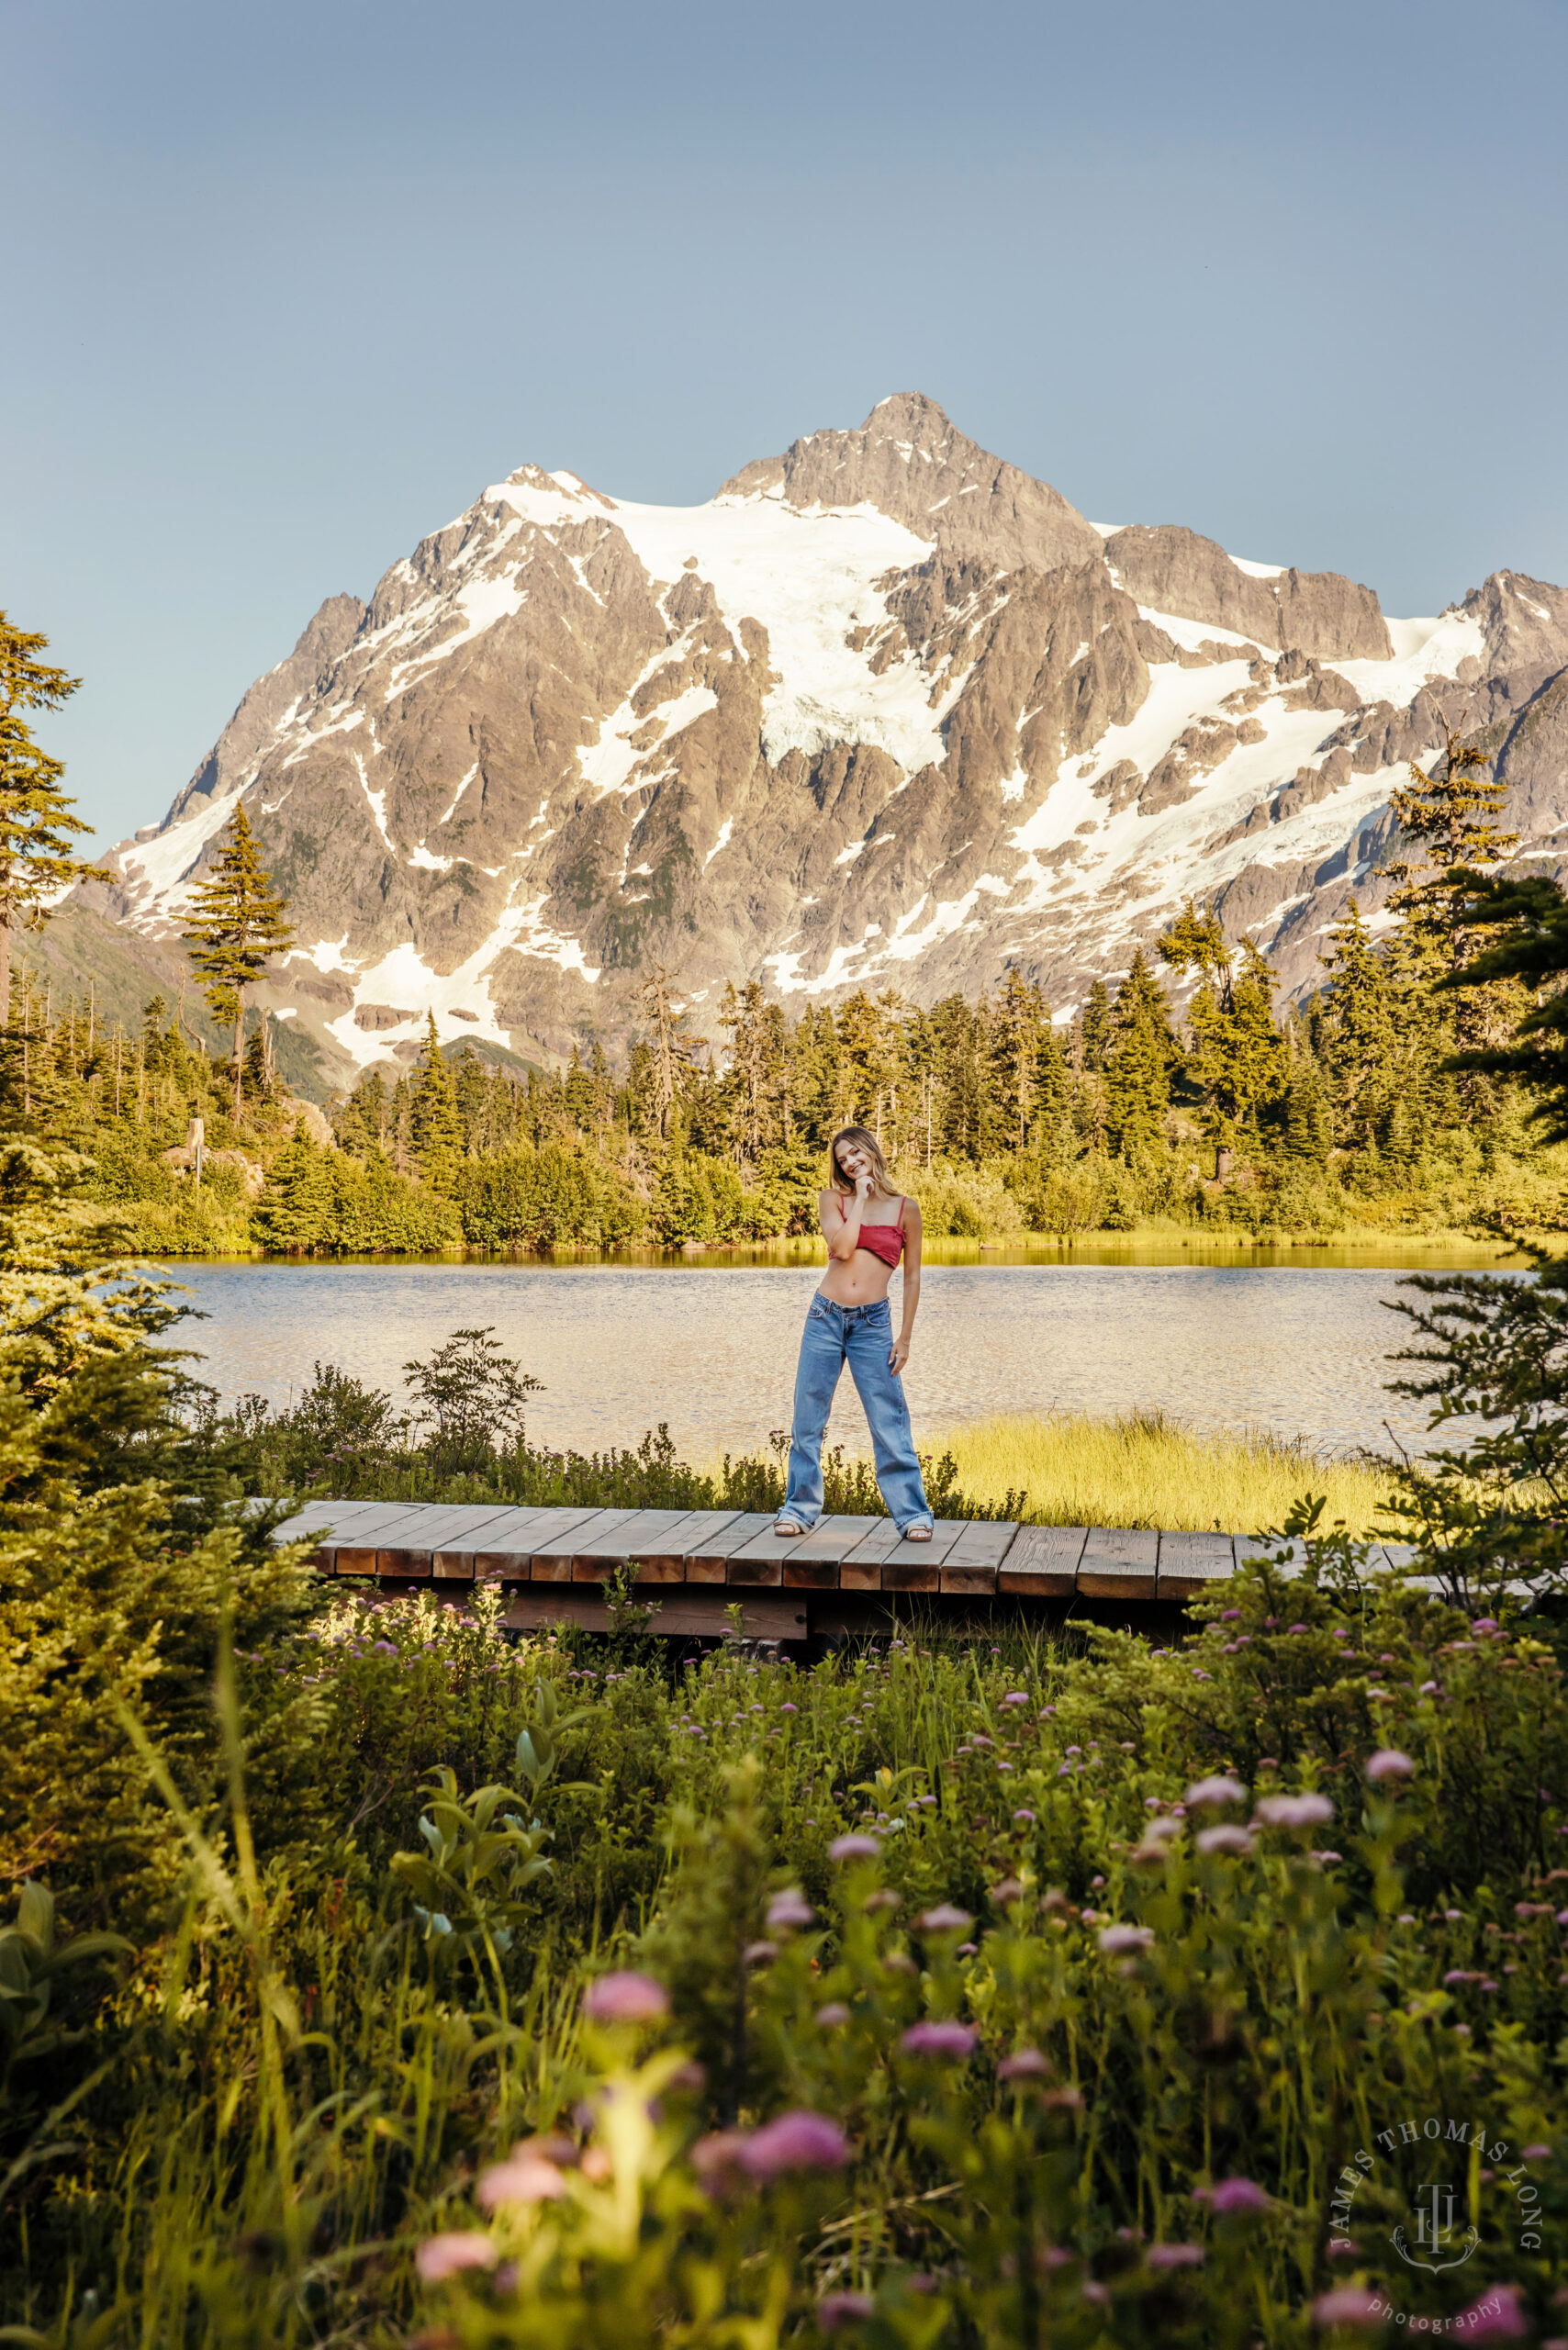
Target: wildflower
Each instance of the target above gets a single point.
(789, 1908)
(1114, 1940)
(448, 2255)
(1389, 1763)
(1016, 1697)
(1348, 2305)
(841, 2309)
(758, 1953)
(625, 1998)
(1009, 1890)
(1295, 1811)
(1494, 2316)
(718, 2161)
(1173, 2255)
(1227, 1838)
(1229, 2195)
(1485, 1626)
(943, 1919)
(1026, 1817)
(1162, 1828)
(1536, 2154)
(795, 2142)
(1221, 1789)
(1024, 2065)
(854, 1848)
(1296, 1628)
(524, 2179)
(937, 2039)
(834, 2013)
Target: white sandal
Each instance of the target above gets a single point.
(787, 1526)
(918, 1533)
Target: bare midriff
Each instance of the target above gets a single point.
(860, 1280)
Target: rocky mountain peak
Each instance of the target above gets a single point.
(911, 461)
(886, 711)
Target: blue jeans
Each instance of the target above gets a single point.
(861, 1335)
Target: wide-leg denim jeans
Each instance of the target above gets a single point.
(861, 1335)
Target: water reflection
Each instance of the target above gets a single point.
(710, 1346)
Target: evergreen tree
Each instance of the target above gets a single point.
(1454, 812)
(36, 861)
(1309, 1127)
(1357, 1023)
(1239, 1059)
(672, 1045)
(1194, 942)
(436, 1120)
(237, 925)
(1095, 1026)
(362, 1122)
(1138, 1062)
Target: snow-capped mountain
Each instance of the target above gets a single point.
(884, 711)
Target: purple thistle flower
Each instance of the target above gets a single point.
(1494, 2316)
(843, 2308)
(854, 1848)
(1024, 2065)
(795, 2142)
(1229, 2195)
(1114, 1940)
(834, 2013)
(1295, 1811)
(525, 2179)
(1389, 1763)
(625, 1998)
(790, 1908)
(1348, 2305)
(1228, 1838)
(448, 2255)
(1173, 2255)
(1016, 1697)
(940, 2039)
(1026, 1817)
(943, 1919)
(1221, 1789)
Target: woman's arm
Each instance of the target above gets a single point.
(898, 1355)
(840, 1220)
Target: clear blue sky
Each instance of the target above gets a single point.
(287, 284)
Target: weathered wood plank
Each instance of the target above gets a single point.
(1119, 1562)
(409, 1546)
(554, 1556)
(866, 1566)
(814, 1562)
(1042, 1563)
(1190, 1564)
(360, 1553)
(970, 1566)
(684, 1614)
(711, 1548)
(453, 1552)
(644, 1543)
(508, 1553)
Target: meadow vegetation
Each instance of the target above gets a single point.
(371, 1976)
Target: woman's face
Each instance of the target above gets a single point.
(855, 1160)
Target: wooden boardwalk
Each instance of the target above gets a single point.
(697, 1563)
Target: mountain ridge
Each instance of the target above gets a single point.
(884, 711)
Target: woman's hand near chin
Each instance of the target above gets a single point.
(897, 1354)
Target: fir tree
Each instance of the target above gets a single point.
(436, 1120)
(1357, 1026)
(672, 1045)
(1194, 942)
(1095, 1026)
(1138, 1062)
(35, 860)
(237, 926)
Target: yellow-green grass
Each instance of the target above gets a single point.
(1145, 1468)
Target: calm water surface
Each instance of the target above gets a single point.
(1298, 1349)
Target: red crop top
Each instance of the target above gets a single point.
(884, 1240)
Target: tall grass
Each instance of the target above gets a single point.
(1147, 1469)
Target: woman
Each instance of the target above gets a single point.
(850, 1321)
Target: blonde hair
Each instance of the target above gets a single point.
(873, 1150)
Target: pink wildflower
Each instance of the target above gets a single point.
(1348, 2305)
(1220, 1788)
(1024, 2065)
(524, 2179)
(448, 2255)
(1229, 2195)
(1173, 2255)
(1114, 1940)
(938, 2038)
(789, 1908)
(795, 2142)
(1389, 1763)
(854, 1848)
(943, 1919)
(1295, 1811)
(1494, 2316)
(625, 1997)
(1225, 1838)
